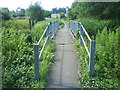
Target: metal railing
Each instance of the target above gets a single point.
(73, 27)
(77, 25)
(50, 31)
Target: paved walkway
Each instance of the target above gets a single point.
(64, 71)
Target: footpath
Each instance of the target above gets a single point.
(63, 72)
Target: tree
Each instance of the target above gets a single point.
(5, 13)
(62, 15)
(35, 12)
(13, 14)
(20, 12)
(54, 10)
(60, 10)
(47, 13)
(100, 10)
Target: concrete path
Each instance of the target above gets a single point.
(64, 71)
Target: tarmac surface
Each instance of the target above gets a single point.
(63, 72)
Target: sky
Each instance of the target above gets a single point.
(46, 4)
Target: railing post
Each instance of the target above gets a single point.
(47, 32)
(80, 32)
(55, 28)
(50, 29)
(36, 62)
(70, 25)
(57, 25)
(76, 25)
(92, 53)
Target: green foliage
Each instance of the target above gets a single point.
(93, 25)
(5, 13)
(62, 15)
(16, 24)
(17, 58)
(95, 16)
(78, 10)
(101, 20)
(35, 12)
(61, 24)
(21, 12)
(101, 10)
(39, 29)
(47, 13)
(107, 64)
(106, 10)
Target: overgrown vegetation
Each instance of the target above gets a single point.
(106, 61)
(101, 21)
(61, 24)
(95, 16)
(16, 24)
(94, 25)
(99, 10)
(17, 58)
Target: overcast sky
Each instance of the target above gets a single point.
(46, 4)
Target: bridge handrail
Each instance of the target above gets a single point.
(90, 53)
(50, 31)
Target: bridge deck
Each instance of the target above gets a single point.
(64, 71)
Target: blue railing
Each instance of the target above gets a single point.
(74, 26)
(49, 32)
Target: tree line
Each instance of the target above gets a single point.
(59, 10)
(99, 10)
(34, 12)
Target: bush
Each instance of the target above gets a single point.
(107, 62)
(16, 24)
(18, 62)
(107, 70)
(61, 24)
(93, 25)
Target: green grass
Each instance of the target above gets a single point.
(16, 24)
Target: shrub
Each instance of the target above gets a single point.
(107, 70)
(18, 63)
